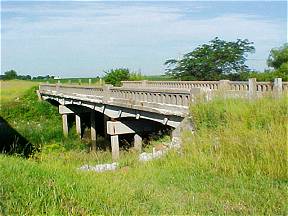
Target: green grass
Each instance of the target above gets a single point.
(235, 164)
(11, 90)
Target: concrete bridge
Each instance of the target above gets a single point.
(143, 106)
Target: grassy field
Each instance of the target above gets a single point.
(235, 164)
(11, 90)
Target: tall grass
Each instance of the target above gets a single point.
(235, 163)
(240, 137)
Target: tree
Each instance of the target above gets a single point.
(8, 75)
(115, 76)
(211, 61)
(278, 58)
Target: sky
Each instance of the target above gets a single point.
(86, 38)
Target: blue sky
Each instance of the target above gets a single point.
(83, 38)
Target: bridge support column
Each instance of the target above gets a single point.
(65, 124)
(137, 142)
(115, 147)
(106, 118)
(93, 131)
(78, 125)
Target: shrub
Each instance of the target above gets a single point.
(115, 76)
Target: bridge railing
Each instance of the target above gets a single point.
(179, 97)
(179, 94)
(72, 89)
(172, 84)
(212, 85)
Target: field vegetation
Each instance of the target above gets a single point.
(236, 163)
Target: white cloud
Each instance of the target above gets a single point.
(100, 36)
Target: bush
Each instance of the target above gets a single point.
(115, 76)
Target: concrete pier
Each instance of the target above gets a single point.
(93, 131)
(115, 147)
(137, 142)
(78, 125)
(65, 124)
(106, 118)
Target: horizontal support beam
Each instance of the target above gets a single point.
(130, 126)
(117, 127)
(68, 110)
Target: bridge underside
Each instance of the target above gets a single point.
(115, 121)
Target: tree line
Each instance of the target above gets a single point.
(12, 74)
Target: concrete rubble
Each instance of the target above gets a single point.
(174, 144)
(100, 167)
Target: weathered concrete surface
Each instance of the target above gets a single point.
(100, 167)
(65, 124)
(93, 131)
(115, 147)
(137, 142)
(78, 125)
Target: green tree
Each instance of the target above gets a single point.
(115, 76)
(9, 75)
(278, 57)
(213, 61)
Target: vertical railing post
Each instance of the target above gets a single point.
(90, 81)
(252, 88)
(144, 83)
(277, 87)
(106, 93)
(224, 87)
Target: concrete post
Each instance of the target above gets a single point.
(137, 142)
(115, 147)
(224, 85)
(78, 125)
(93, 130)
(39, 95)
(252, 88)
(144, 83)
(106, 118)
(107, 93)
(277, 87)
(90, 81)
(65, 124)
(69, 81)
